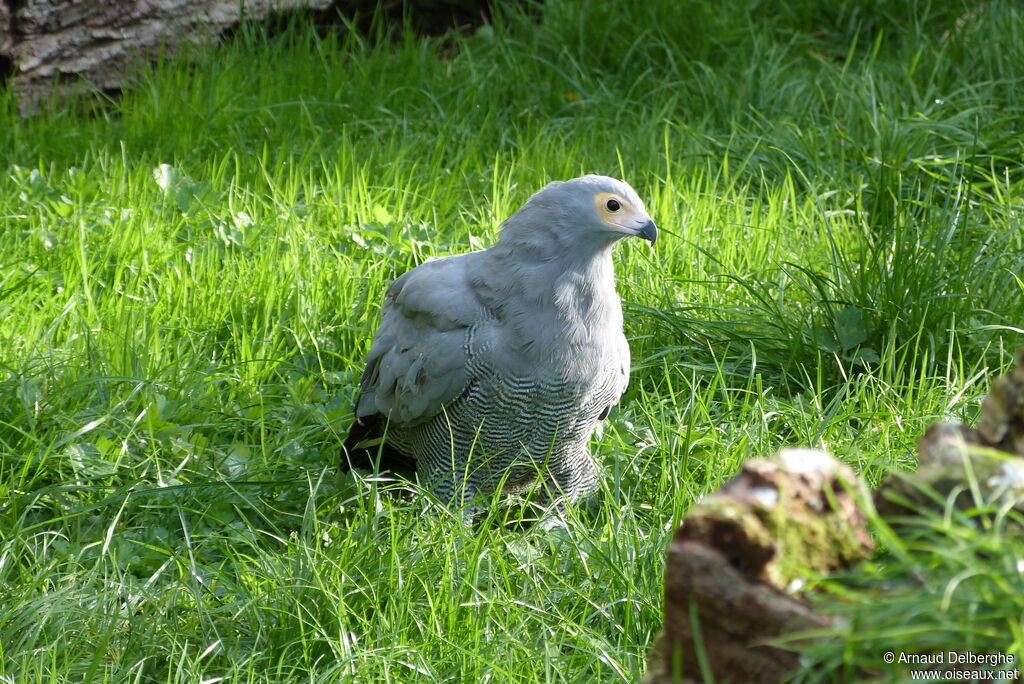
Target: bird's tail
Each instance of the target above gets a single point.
(366, 449)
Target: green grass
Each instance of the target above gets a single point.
(190, 276)
(950, 580)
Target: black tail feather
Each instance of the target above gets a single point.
(365, 449)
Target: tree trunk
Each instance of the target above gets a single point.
(68, 46)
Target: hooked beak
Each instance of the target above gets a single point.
(648, 232)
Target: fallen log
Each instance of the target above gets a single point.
(964, 462)
(739, 557)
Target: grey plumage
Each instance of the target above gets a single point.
(496, 365)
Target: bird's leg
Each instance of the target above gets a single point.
(554, 517)
(453, 491)
(564, 484)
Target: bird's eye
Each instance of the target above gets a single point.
(613, 205)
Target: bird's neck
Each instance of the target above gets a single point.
(567, 296)
(560, 278)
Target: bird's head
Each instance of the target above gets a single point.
(591, 209)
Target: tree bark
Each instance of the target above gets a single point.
(6, 36)
(69, 46)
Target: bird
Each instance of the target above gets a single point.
(491, 369)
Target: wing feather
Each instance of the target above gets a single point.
(417, 362)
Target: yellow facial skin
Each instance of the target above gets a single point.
(623, 220)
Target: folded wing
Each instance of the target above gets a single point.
(417, 362)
